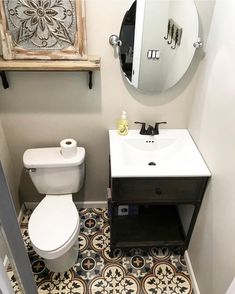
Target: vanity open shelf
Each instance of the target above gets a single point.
(161, 211)
(155, 225)
(90, 65)
(154, 206)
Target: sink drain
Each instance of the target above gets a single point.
(151, 163)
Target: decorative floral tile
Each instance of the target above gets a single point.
(27, 242)
(90, 222)
(114, 279)
(14, 282)
(100, 242)
(89, 265)
(136, 271)
(179, 263)
(165, 279)
(160, 254)
(62, 283)
(83, 242)
(83, 211)
(25, 218)
(137, 262)
(103, 213)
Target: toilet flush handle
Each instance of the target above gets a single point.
(30, 170)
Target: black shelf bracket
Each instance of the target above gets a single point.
(6, 84)
(90, 74)
(4, 79)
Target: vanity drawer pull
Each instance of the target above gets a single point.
(158, 191)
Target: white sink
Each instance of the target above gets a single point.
(171, 153)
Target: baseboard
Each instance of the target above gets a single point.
(30, 205)
(231, 289)
(21, 213)
(79, 204)
(91, 204)
(191, 273)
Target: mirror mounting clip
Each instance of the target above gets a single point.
(115, 41)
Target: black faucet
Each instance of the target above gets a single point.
(156, 128)
(150, 130)
(142, 130)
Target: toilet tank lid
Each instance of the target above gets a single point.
(51, 157)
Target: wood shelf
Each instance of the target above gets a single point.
(93, 63)
(90, 65)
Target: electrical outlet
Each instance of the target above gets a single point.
(123, 210)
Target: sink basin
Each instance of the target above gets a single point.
(149, 144)
(147, 151)
(171, 153)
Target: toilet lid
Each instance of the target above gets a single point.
(53, 222)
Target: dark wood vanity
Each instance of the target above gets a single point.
(160, 211)
(154, 205)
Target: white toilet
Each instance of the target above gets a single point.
(54, 224)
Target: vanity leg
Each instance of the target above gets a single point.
(182, 250)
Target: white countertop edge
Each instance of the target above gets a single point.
(123, 175)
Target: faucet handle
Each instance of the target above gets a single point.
(156, 128)
(142, 130)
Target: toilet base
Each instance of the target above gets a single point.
(64, 262)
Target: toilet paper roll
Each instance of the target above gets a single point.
(68, 148)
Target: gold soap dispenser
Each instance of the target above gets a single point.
(122, 126)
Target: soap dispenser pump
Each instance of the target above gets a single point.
(123, 124)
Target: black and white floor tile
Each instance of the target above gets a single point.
(138, 271)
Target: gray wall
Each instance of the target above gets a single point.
(40, 109)
(7, 164)
(212, 125)
(3, 246)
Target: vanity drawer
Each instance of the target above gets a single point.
(157, 189)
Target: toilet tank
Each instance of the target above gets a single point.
(51, 173)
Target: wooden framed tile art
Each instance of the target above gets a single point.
(43, 29)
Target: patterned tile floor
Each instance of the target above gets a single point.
(138, 271)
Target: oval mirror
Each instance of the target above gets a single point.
(158, 39)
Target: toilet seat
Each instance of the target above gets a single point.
(54, 225)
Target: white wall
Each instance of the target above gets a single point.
(212, 124)
(40, 109)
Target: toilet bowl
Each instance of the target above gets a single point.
(54, 224)
(53, 230)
